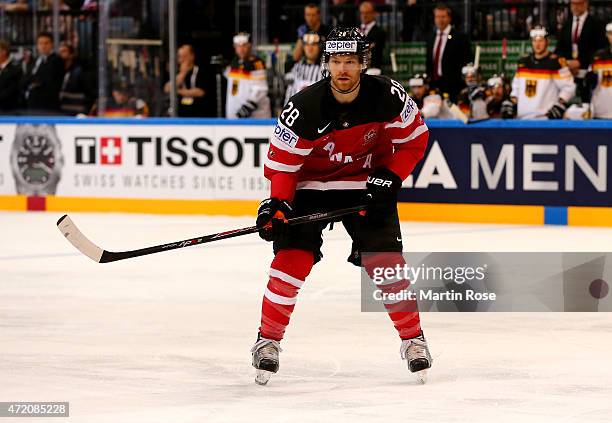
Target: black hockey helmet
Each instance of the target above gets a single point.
(346, 40)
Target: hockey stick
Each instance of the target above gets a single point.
(97, 254)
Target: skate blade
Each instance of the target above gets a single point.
(421, 376)
(262, 376)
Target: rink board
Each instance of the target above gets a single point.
(535, 172)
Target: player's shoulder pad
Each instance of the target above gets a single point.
(302, 113)
(602, 54)
(234, 62)
(523, 59)
(254, 63)
(390, 97)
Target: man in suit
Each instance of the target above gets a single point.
(581, 36)
(374, 34)
(44, 82)
(10, 76)
(312, 23)
(447, 52)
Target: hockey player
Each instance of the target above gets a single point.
(497, 93)
(430, 102)
(471, 99)
(542, 85)
(418, 85)
(308, 70)
(247, 85)
(346, 140)
(601, 77)
(122, 104)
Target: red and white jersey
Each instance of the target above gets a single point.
(247, 85)
(321, 144)
(539, 83)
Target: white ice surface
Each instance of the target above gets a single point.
(166, 338)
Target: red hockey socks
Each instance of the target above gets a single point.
(288, 272)
(403, 313)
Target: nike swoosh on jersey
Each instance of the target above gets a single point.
(320, 131)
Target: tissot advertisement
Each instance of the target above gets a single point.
(553, 167)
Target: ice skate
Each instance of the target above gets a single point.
(416, 353)
(265, 359)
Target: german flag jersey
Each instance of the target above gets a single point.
(539, 83)
(247, 85)
(602, 94)
(320, 144)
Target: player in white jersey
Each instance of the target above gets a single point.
(471, 99)
(247, 84)
(601, 77)
(542, 85)
(308, 70)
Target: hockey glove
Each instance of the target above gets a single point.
(508, 109)
(477, 92)
(246, 109)
(272, 218)
(556, 111)
(381, 194)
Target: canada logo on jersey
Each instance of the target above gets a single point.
(530, 87)
(370, 136)
(606, 79)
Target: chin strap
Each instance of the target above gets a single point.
(345, 91)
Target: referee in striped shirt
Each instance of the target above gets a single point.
(308, 70)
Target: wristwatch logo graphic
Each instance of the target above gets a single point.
(36, 159)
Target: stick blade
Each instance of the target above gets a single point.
(67, 227)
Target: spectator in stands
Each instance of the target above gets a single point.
(10, 77)
(44, 81)
(448, 51)
(16, 5)
(374, 34)
(343, 13)
(190, 84)
(312, 16)
(308, 70)
(579, 39)
(123, 104)
(247, 83)
(74, 98)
